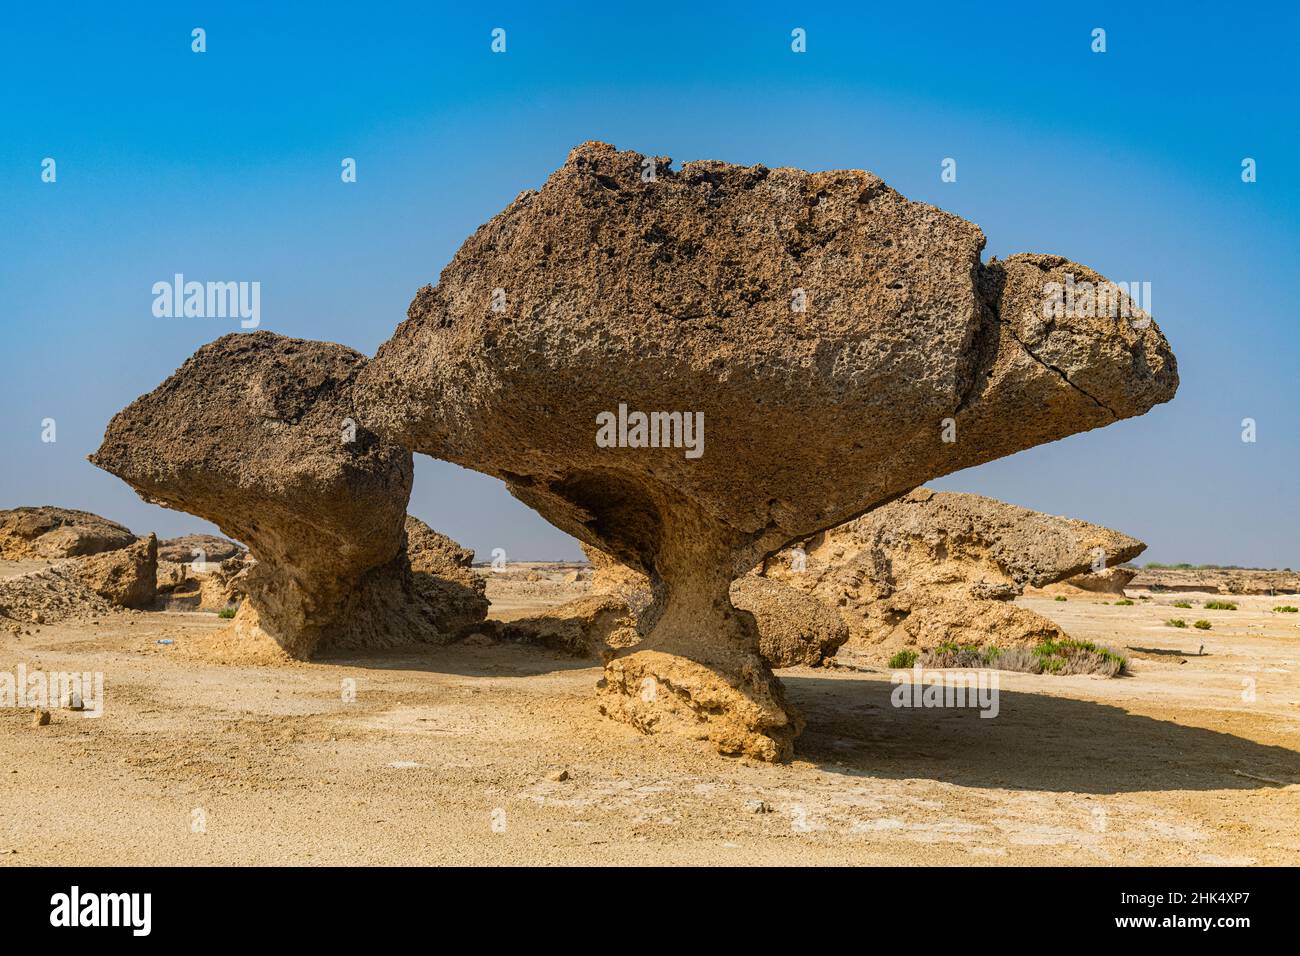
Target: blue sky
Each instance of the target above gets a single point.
(225, 165)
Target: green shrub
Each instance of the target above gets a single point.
(1018, 659)
(1202, 625)
(226, 612)
(903, 659)
(1176, 622)
(1287, 609)
(1060, 597)
(1182, 604)
(951, 654)
(1124, 602)
(1070, 656)
(1220, 606)
(1066, 656)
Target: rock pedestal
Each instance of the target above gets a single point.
(831, 343)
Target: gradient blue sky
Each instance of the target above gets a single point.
(225, 165)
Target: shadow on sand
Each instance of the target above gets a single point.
(1037, 742)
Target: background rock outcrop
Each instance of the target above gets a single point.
(1106, 581)
(46, 596)
(934, 567)
(126, 577)
(839, 343)
(1218, 580)
(209, 586)
(257, 433)
(443, 577)
(793, 626)
(595, 624)
(197, 549)
(48, 532)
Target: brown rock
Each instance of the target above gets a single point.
(609, 576)
(49, 595)
(40, 718)
(939, 566)
(444, 579)
(587, 626)
(1109, 581)
(793, 626)
(943, 620)
(256, 433)
(1219, 580)
(48, 532)
(127, 577)
(209, 586)
(822, 325)
(224, 585)
(198, 549)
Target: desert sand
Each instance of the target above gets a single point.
(454, 754)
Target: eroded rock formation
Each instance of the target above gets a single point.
(443, 577)
(207, 586)
(793, 626)
(257, 433)
(934, 567)
(197, 549)
(831, 344)
(1218, 580)
(1107, 581)
(126, 577)
(594, 624)
(48, 532)
(48, 595)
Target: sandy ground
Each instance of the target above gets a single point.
(446, 756)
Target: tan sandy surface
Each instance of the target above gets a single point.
(445, 755)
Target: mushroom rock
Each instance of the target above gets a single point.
(48, 532)
(256, 433)
(934, 566)
(835, 343)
